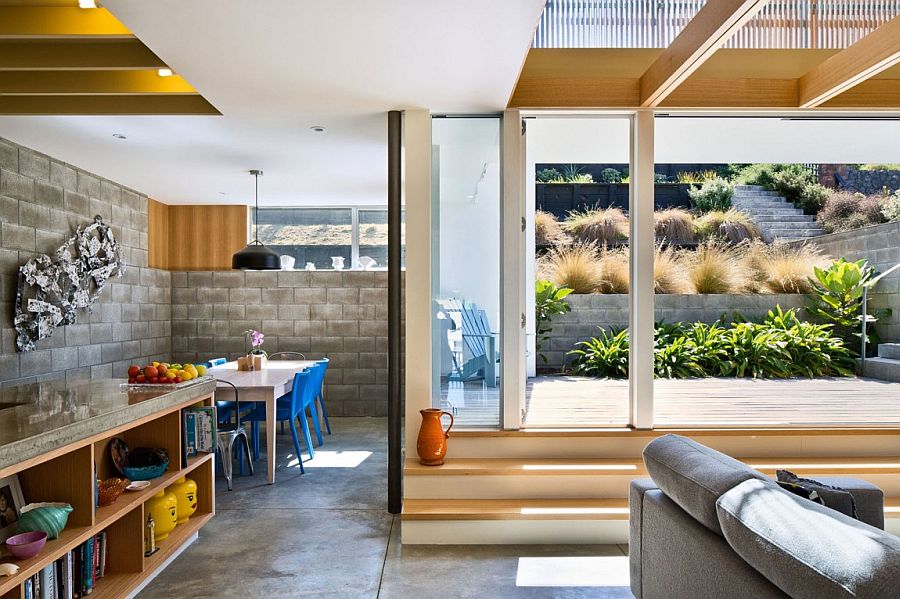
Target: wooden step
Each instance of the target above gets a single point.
(539, 509)
(635, 466)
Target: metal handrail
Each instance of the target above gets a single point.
(865, 315)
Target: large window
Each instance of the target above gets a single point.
(358, 236)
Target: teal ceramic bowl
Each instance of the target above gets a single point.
(50, 518)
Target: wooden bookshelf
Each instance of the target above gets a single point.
(67, 475)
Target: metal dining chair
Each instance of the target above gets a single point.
(227, 433)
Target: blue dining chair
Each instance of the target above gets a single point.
(288, 407)
(320, 397)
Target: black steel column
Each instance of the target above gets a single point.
(395, 461)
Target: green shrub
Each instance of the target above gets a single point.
(549, 301)
(812, 198)
(660, 178)
(837, 299)
(549, 175)
(714, 194)
(610, 175)
(601, 226)
(758, 174)
(890, 209)
(573, 174)
(781, 346)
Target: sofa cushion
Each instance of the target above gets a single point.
(694, 476)
(806, 549)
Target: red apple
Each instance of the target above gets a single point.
(150, 372)
(133, 371)
(161, 369)
(153, 379)
(177, 379)
(140, 379)
(131, 380)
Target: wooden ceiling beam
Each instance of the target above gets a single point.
(866, 58)
(87, 55)
(733, 93)
(44, 22)
(177, 105)
(871, 94)
(708, 31)
(81, 83)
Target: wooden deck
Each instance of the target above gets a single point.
(567, 401)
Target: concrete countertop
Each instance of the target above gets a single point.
(41, 417)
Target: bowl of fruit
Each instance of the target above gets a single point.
(164, 373)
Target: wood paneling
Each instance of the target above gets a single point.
(158, 234)
(576, 92)
(195, 237)
(874, 93)
(737, 93)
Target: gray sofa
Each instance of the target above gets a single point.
(708, 526)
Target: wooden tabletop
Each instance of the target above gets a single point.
(275, 373)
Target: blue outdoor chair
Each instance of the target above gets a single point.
(320, 397)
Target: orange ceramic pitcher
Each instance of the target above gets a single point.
(432, 441)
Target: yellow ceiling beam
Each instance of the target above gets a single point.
(712, 26)
(871, 55)
(576, 92)
(106, 105)
(80, 55)
(699, 92)
(79, 83)
(18, 22)
(874, 93)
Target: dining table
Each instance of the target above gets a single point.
(266, 385)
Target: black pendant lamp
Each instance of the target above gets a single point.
(256, 256)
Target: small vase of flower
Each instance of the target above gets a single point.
(256, 354)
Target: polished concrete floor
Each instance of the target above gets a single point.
(327, 533)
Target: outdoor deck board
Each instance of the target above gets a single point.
(568, 401)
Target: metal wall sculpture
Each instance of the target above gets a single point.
(51, 290)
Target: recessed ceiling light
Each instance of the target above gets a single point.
(88, 4)
(318, 128)
(165, 72)
(222, 193)
(119, 136)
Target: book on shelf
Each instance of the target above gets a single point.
(72, 576)
(198, 431)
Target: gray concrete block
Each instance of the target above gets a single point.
(63, 175)
(9, 209)
(277, 295)
(237, 327)
(9, 367)
(373, 296)
(261, 278)
(9, 156)
(198, 278)
(358, 279)
(211, 295)
(309, 328)
(111, 313)
(359, 376)
(300, 344)
(244, 295)
(122, 331)
(34, 165)
(184, 295)
(110, 192)
(76, 202)
(17, 237)
(372, 328)
(277, 328)
(35, 362)
(50, 196)
(360, 312)
(111, 352)
(87, 184)
(294, 312)
(342, 328)
(343, 296)
(369, 359)
(263, 312)
(292, 278)
(228, 278)
(312, 295)
(102, 371)
(326, 312)
(101, 332)
(16, 186)
(325, 278)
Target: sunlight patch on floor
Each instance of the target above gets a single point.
(334, 459)
(597, 571)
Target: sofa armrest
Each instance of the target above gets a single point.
(868, 498)
(635, 525)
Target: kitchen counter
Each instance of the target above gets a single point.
(41, 417)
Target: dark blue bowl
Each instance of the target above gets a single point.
(145, 472)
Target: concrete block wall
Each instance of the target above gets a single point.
(598, 310)
(42, 201)
(880, 245)
(338, 315)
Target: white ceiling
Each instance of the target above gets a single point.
(277, 67)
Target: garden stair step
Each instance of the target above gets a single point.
(889, 350)
(885, 369)
(778, 219)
